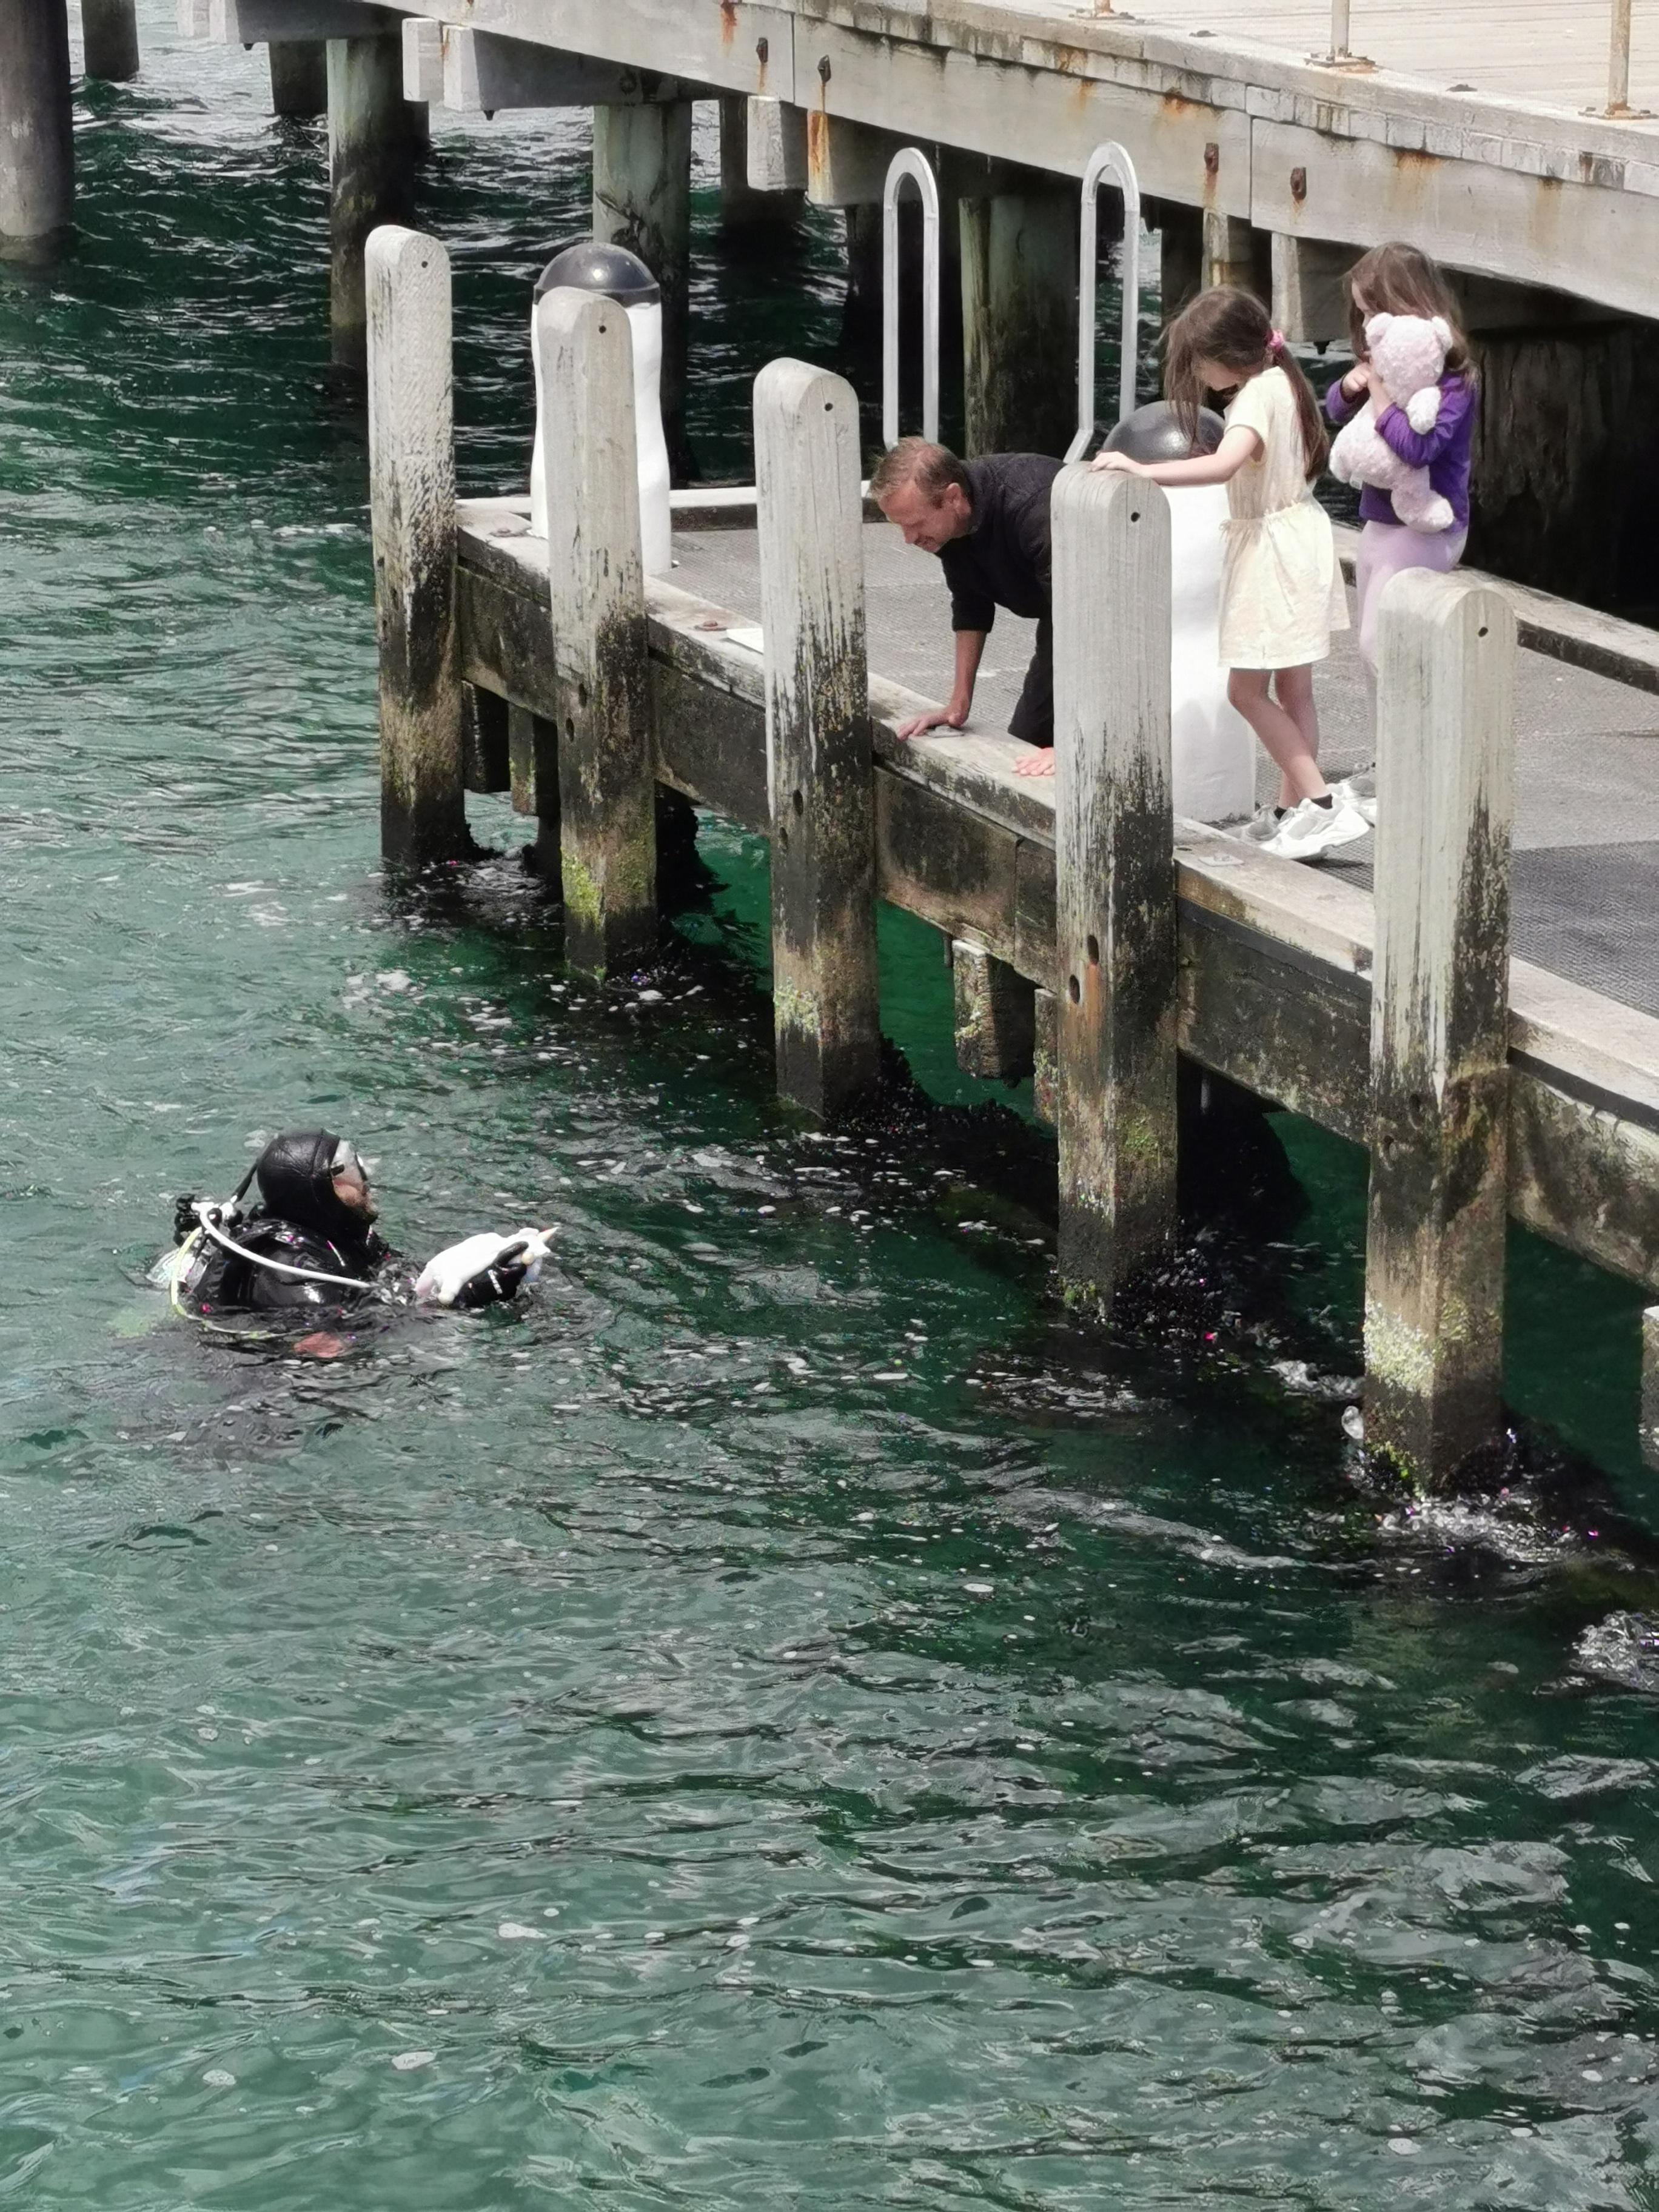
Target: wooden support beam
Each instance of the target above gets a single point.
(642, 200)
(37, 142)
(1019, 265)
(1115, 881)
(256, 22)
(994, 1015)
(375, 137)
(1650, 1387)
(1434, 1249)
(1310, 290)
(412, 442)
(744, 205)
(819, 772)
(776, 147)
(1236, 254)
(109, 36)
(480, 72)
(847, 163)
(298, 77)
(607, 769)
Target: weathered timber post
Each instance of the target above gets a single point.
(995, 1014)
(109, 39)
(642, 200)
(820, 775)
(743, 207)
(1434, 1246)
(298, 77)
(37, 143)
(1115, 880)
(411, 441)
(1045, 1055)
(1019, 256)
(606, 745)
(1649, 1430)
(374, 140)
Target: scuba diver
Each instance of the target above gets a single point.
(309, 1249)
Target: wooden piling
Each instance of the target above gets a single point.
(642, 200)
(1115, 881)
(1045, 1055)
(1180, 254)
(819, 770)
(1235, 254)
(109, 39)
(532, 745)
(995, 1015)
(1434, 1250)
(37, 143)
(1649, 1429)
(412, 497)
(1019, 260)
(606, 750)
(374, 140)
(298, 77)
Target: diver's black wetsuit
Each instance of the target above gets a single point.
(300, 1223)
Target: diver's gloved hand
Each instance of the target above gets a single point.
(482, 1269)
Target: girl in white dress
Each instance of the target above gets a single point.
(1281, 588)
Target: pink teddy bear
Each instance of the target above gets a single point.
(1407, 356)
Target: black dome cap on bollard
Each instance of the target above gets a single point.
(610, 270)
(1154, 433)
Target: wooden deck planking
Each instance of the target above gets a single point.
(1554, 52)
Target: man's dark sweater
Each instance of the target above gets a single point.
(1005, 560)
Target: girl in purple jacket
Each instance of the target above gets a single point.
(1398, 280)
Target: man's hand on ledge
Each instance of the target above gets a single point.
(1039, 761)
(950, 717)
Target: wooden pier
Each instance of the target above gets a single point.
(1096, 935)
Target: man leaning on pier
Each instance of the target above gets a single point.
(987, 520)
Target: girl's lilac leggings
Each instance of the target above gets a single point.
(1386, 548)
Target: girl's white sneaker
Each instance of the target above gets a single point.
(1363, 802)
(1310, 829)
(1263, 825)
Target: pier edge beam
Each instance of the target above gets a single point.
(298, 77)
(1435, 1220)
(1019, 262)
(606, 740)
(819, 766)
(109, 39)
(37, 138)
(376, 138)
(642, 200)
(412, 440)
(1115, 881)
(995, 1015)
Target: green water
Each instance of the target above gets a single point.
(781, 1719)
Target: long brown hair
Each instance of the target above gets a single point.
(1397, 279)
(1235, 330)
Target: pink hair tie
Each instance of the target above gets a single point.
(1276, 342)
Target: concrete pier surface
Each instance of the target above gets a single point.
(1586, 889)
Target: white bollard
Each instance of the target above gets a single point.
(1213, 753)
(614, 273)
